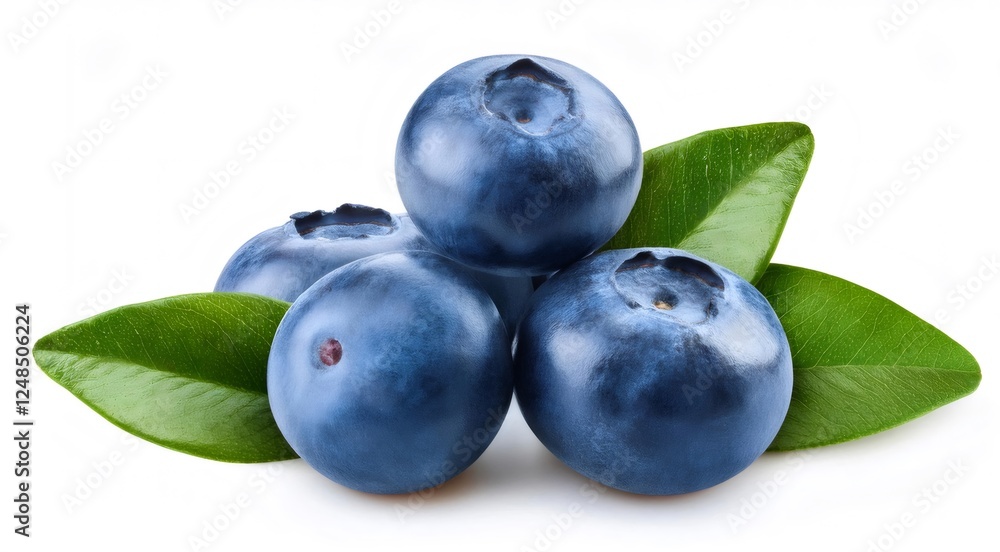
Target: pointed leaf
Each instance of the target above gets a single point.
(862, 363)
(723, 194)
(186, 372)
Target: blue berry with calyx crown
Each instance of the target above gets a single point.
(652, 371)
(283, 262)
(518, 165)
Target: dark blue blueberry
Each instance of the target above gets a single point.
(518, 165)
(652, 371)
(392, 373)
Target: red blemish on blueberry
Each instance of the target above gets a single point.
(330, 352)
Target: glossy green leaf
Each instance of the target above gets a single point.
(862, 363)
(723, 194)
(186, 372)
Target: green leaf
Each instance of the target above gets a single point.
(723, 194)
(186, 372)
(862, 364)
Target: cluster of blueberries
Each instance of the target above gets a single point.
(649, 370)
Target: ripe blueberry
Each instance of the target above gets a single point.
(652, 371)
(518, 164)
(392, 373)
(282, 262)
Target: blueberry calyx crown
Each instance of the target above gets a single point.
(683, 287)
(532, 98)
(348, 219)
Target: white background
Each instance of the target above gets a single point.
(874, 95)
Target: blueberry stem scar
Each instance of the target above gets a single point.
(533, 97)
(347, 214)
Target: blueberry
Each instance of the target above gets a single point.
(518, 164)
(282, 262)
(392, 373)
(652, 371)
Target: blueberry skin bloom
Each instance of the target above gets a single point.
(283, 262)
(652, 371)
(518, 165)
(392, 373)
